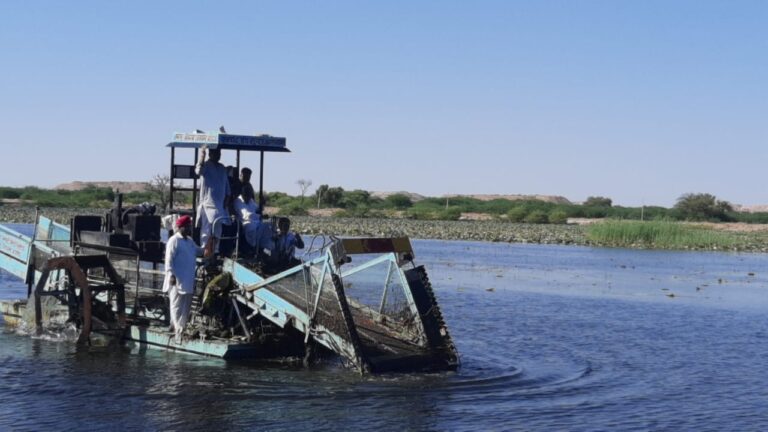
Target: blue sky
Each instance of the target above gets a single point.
(637, 101)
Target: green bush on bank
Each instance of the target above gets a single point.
(658, 234)
(517, 214)
(294, 209)
(537, 217)
(557, 217)
(451, 213)
(359, 203)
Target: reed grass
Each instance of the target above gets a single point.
(660, 235)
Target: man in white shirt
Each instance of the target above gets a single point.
(180, 266)
(214, 195)
(249, 213)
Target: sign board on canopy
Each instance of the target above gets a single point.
(266, 143)
(196, 138)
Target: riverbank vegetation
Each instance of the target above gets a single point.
(362, 204)
(93, 197)
(359, 213)
(660, 235)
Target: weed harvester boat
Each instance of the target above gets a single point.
(363, 300)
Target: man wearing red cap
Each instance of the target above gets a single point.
(179, 283)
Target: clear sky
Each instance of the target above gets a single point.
(640, 101)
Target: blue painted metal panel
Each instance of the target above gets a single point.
(156, 338)
(43, 228)
(391, 257)
(13, 267)
(281, 305)
(50, 230)
(14, 252)
(59, 232)
(14, 244)
(241, 274)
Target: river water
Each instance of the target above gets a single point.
(550, 337)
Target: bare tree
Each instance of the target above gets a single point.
(304, 184)
(160, 188)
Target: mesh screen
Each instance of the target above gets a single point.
(149, 280)
(40, 258)
(377, 290)
(300, 289)
(380, 306)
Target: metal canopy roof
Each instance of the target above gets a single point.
(265, 143)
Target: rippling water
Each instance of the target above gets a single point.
(552, 338)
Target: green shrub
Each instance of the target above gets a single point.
(757, 217)
(537, 217)
(8, 193)
(517, 214)
(355, 198)
(451, 213)
(702, 207)
(398, 201)
(558, 217)
(420, 213)
(595, 212)
(294, 209)
(598, 201)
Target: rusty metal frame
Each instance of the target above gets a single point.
(75, 268)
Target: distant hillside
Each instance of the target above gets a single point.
(546, 198)
(125, 187)
(482, 197)
(751, 209)
(413, 196)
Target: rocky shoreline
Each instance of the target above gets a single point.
(475, 230)
(494, 231)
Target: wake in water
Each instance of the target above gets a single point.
(61, 331)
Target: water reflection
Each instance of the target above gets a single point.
(569, 339)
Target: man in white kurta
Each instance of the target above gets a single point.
(179, 283)
(214, 193)
(257, 234)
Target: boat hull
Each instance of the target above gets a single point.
(152, 337)
(11, 312)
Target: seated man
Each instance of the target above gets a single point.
(245, 178)
(248, 213)
(235, 186)
(286, 242)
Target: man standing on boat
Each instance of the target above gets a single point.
(179, 283)
(214, 195)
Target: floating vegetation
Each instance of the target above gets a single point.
(494, 231)
(26, 214)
